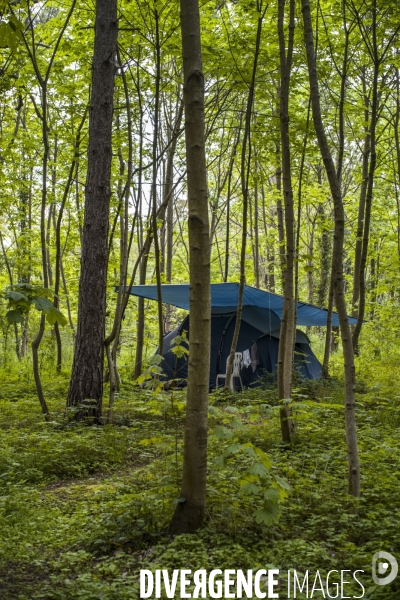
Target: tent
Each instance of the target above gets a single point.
(267, 344)
(261, 319)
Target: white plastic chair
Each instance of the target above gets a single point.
(235, 371)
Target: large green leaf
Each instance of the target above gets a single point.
(42, 304)
(269, 514)
(13, 316)
(16, 296)
(55, 316)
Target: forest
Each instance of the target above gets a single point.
(232, 161)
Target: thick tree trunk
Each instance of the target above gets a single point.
(337, 261)
(86, 383)
(189, 514)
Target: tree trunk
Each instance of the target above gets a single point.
(370, 187)
(328, 333)
(154, 186)
(168, 197)
(228, 200)
(337, 261)
(189, 513)
(87, 371)
(256, 244)
(361, 203)
(244, 176)
(287, 331)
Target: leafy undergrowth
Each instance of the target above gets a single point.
(83, 509)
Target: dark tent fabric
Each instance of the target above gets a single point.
(306, 363)
(222, 328)
(260, 308)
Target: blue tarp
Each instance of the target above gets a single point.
(259, 306)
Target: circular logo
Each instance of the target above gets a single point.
(383, 567)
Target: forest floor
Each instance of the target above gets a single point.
(84, 508)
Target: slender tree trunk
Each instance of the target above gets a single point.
(43, 81)
(57, 227)
(189, 514)
(124, 196)
(361, 203)
(244, 176)
(374, 279)
(154, 187)
(279, 212)
(270, 268)
(86, 383)
(140, 312)
(228, 201)
(328, 333)
(168, 197)
(36, 373)
(10, 277)
(288, 325)
(310, 259)
(370, 186)
(256, 245)
(324, 263)
(337, 262)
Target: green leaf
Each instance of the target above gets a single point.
(269, 514)
(13, 316)
(282, 483)
(54, 315)
(223, 433)
(272, 494)
(250, 488)
(233, 449)
(16, 296)
(265, 459)
(259, 469)
(236, 423)
(42, 304)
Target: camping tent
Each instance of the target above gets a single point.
(267, 344)
(261, 319)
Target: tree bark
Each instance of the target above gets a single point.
(154, 186)
(189, 513)
(370, 184)
(337, 260)
(87, 371)
(244, 176)
(285, 354)
(361, 203)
